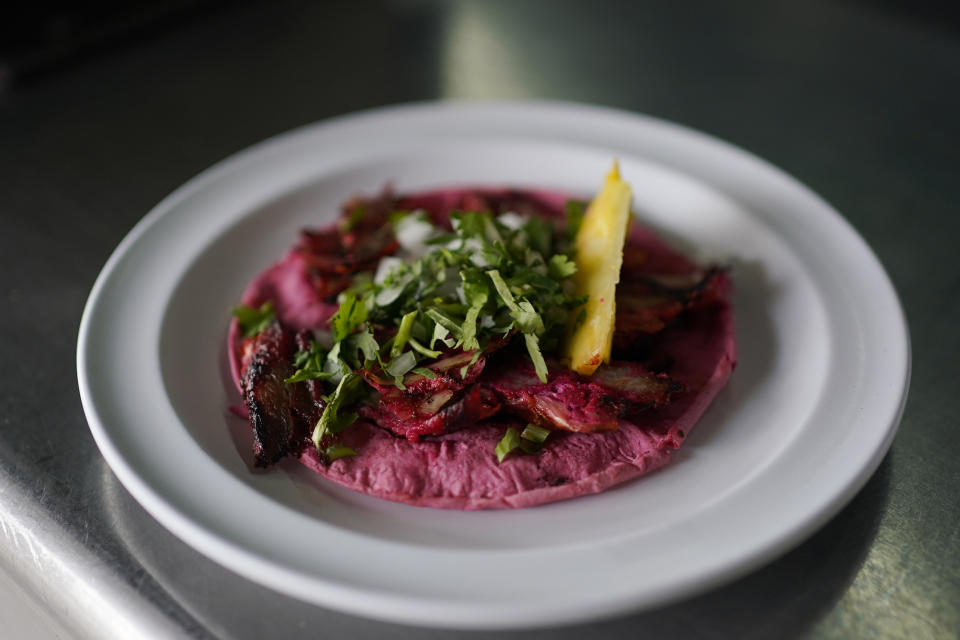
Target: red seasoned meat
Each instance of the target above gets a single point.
(648, 302)
(334, 254)
(431, 406)
(572, 402)
(439, 204)
(443, 412)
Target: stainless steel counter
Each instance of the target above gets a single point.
(858, 102)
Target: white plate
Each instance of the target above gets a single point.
(806, 418)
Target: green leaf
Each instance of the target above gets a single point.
(509, 442)
(535, 433)
(440, 333)
(470, 329)
(337, 451)
(448, 323)
(561, 267)
(466, 368)
(468, 224)
(503, 289)
(426, 373)
(362, 342)
(419, 348)
(442, 239)
(539, 234)
(533, 348)
(331, 421)
(302, 374)
(301, 359)
(528, 320)
(351, 313)
(403, 333)
(367, 344)
(401, 364)
(341, 421)
(310, 365)
(253, 321)
(526, 317)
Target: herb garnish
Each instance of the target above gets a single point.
(490, 279)
(530, 441)
(253, 321)
(309, 365)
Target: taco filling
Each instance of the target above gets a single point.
(459, 349)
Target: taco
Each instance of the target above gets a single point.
(417, 350)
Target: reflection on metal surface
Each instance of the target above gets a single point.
(478, 60)
(53, 562)
(902, 590)
(143, 539)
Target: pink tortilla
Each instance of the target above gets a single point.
(460, 470)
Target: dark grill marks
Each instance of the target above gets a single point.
(404, 413)
(432, 406)
(571, 402)
(494, 201)
(363, 236)
(308, 401)
(280, 414)
(647, 303)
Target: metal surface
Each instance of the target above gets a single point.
(858, 103)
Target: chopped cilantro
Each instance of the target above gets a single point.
(561, 267)
(575, 210)
(530, 441)
(349, 316)
(401, 364)
(403, 333)
(310, 365)
(337, 451)
(509, 442)
(253, 321)
(489, 280)
(332, 421)
(419, 348)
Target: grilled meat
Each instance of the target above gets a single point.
(571, 402)
(647, 303)
(431, 406)
(281, 414)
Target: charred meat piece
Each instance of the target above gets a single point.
(356, 243)
(332, 252)
(414, 416)
(647, 303)
(448, 370)
(571, 402)
(362, 215)
(280, 413)
(439, 205)
(519, 202)
(431, 406)
(311, 403)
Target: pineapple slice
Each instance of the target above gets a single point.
(599, 256)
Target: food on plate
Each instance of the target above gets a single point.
(473, 348)
(599, 256)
